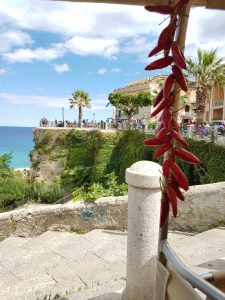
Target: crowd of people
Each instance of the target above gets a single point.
(136, 124)
(44, 122)
(202, 130)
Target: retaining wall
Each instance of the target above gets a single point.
(203, 209)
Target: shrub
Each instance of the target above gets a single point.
(45, 193)
(12, 189)
(44, 145)
(110, 187)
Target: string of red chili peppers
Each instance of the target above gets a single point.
(167, 134)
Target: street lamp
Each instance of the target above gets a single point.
(63, 116)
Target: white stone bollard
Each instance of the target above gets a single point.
(144, 196)
(189, 131)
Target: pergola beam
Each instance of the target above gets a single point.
(213, 4)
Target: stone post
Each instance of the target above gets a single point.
(189, 131)
(144, 196)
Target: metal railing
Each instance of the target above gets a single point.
(217, 103)
(195, 280)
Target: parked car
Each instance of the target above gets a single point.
(221, 126)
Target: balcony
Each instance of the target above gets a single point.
(217, 103)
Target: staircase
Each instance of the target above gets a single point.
(89, 266)
(62, 263)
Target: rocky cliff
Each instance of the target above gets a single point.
(47, 162)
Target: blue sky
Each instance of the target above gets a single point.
(49, 49)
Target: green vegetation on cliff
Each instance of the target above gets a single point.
(16, 187)
(94, 165)
(92, 155)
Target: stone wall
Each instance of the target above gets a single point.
(105, 213)
(203, 208)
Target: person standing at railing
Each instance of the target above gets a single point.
(143, 123)
(201, 130)
(206, 132)
(44, 122)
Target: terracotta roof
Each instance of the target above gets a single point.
(216, 4)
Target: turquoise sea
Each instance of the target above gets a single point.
(18, 141)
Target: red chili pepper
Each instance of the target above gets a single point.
(174, 125)
(178, 56)
(166, 167)
(160, 151)
(167, 48)
(160, 63)
(154, 51)
(158, 129)
(179, 175)
(179, 138)
(179, 78)
(186, 156)
(158, 98)
(167, 34)
(172, 198)
(180, 6)
(156, 141)
(164, 211)
(168, 86)
(166, 117)
(161, 9)
(176, 189)
(163, 131)
(165, 103)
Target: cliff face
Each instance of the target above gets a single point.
(47, 162)
(78, 157)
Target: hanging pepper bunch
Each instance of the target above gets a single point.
(168, 139)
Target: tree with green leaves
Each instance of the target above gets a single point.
(208, 72)
(80, 99)
(130, 103)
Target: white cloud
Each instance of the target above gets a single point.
(61, 68)
(92, 46)
(206, 30)
(70, 19)
(102, 71)
(96, 29)
(77, 45)
(43, 101)
(46, 101)
(28, 55)
(87, 29)
(3, 71)
(115, 70)
(11, 38)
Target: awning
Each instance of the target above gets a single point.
(215, 4)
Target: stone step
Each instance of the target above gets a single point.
(12, 242)
(202, 252)
(90, 266)
(63, 263)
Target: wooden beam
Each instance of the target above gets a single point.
(215, 4)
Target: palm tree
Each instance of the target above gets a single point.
(81, 99)
(208, 71)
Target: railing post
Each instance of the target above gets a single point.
(189, 131)
(144, 195)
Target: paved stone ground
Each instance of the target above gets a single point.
(90, 266)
